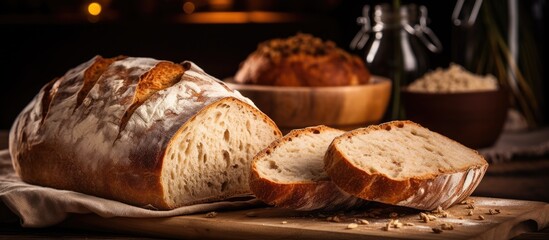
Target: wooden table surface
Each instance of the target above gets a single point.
(525, 179)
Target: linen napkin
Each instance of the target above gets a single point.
(38, 206)
(517, 145)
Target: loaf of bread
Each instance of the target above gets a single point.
(402, 163)
(141, 131)
(290, 172)
(302, 60)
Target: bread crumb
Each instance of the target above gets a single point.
(447, 226)
(394, 223)
(352, 225)
(333, 219)
(438, 210)
(444, 214)
(362, 221)
(480, 217)
(494, 212)
(211, 214)
(431, 217)
(284, 222)
(423, 216)
(437, 230)
(470, 213)
(467, 201)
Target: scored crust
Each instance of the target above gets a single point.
(103, 127)
(303, 195)
(427, 191)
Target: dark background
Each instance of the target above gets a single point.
(41, 40)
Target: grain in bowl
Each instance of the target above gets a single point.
(453, 79)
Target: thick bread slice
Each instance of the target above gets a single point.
(404, 164)
(141, 131)
(289, 173)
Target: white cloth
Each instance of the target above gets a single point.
(510, 145)
(38, 206)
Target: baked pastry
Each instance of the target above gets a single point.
(402, 163)
(141, 131)
(302, 60)
(290, 172)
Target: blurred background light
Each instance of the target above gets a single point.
(188, 7)
(94, 9)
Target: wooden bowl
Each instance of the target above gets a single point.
(474, 119)
(345, 107)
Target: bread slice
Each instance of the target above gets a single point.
(404, 164)
(289, 173)
(141, 131)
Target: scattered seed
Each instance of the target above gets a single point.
(494, 212)
(480, 217)
(438, 210)
(352, 225)
(447, 226)
(386, 227)
(460, 218)
(431, 217)
(333, 219)
(211, 214)
(470, 206)
(398, 225)
(409, 224)
(470, 213)
(444, 214)
(437, 230)
(362, 221)
(423, 216)
(284, 222)
(467, 201)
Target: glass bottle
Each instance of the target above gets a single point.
(395, 45)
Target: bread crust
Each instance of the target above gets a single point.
(304, 196)
(302, 60)
(60, 142)
(425, 192)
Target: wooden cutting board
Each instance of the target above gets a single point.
(515, 217)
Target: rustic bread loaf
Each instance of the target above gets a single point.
(289, 173)
(142, 131)
(302, 60)
(404, 164)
